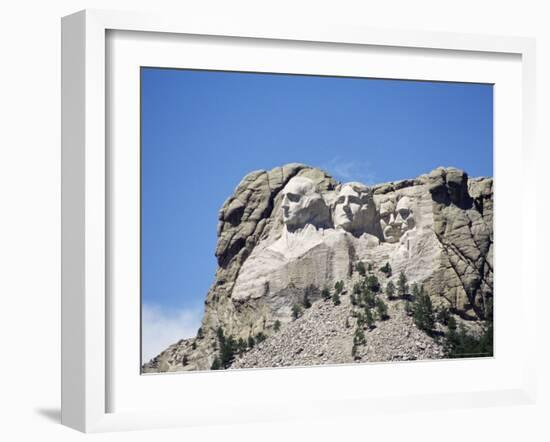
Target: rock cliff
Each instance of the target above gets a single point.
(288, 233)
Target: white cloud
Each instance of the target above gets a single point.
(350, 170)
(161, 328)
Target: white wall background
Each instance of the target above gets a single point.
(30, 216)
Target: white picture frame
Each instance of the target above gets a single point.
(86, 204)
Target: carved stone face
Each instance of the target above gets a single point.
(395, 220)
(302, 205)
(355, 212)
(346, 207)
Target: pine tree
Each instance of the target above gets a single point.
(219, 334)
(386, 269)
(451, 324)
(336, 298)
(306, 302)
(452, 338)
(227, 351)
(359, 337)
(339, 286)
(459, 344)
(443, 316)
(382, 309)
(241, 346)
(216, 364)
(296, 311)
(368, 298)
(390, 290)
(277, 325)
(369, 319)
(360, 267)
(360, 319)
(251, 342)
(415, 290)
(325, 293)
(402, 286)
(373, 284)
(423, 313)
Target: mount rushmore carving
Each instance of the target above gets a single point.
(295, 230)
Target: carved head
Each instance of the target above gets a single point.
(348, 203)
(302, 204)
(354, 210)
(396, 219)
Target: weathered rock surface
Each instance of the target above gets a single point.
(279, 235)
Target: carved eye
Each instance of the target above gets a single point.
(404, 213)
(293, 197)
(341, 200)
(354, 200)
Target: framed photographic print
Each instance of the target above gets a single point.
(251, 211)
(313, 265)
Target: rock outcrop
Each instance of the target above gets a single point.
(294, 230)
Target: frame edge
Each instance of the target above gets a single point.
(73, 81)
(83, 344)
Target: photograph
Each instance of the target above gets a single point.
(292, 220)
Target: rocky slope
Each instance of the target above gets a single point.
(325, 332)
(294, 229)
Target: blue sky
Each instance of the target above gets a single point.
(202, 131)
